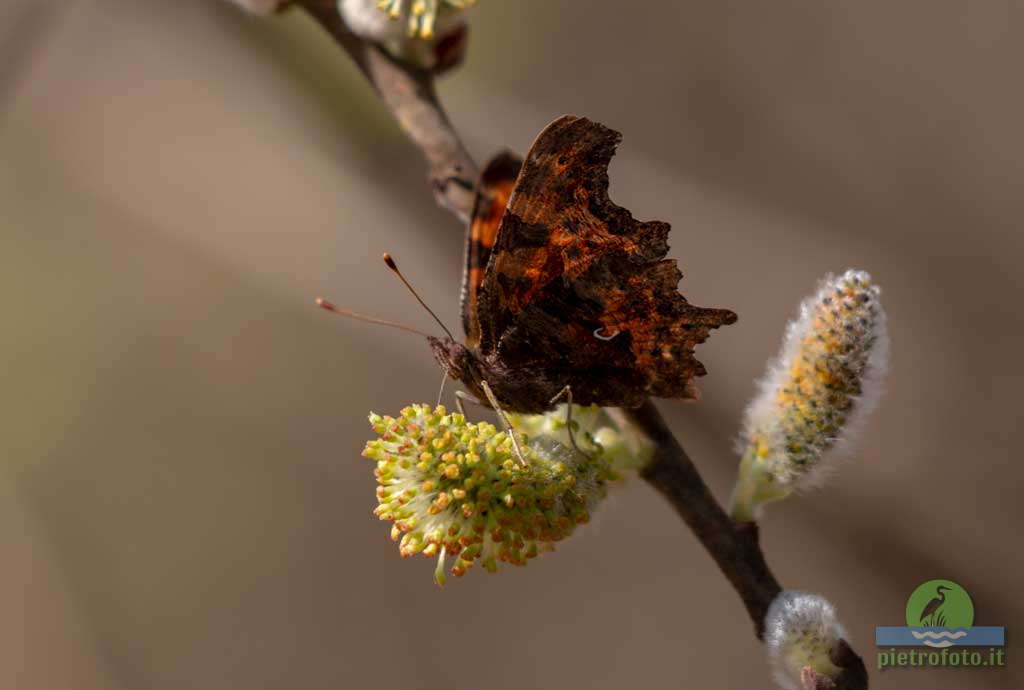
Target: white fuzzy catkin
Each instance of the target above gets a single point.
(826, 379)
(801, 630)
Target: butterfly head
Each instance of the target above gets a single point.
(456, 359)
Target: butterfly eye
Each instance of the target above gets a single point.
(601, 336)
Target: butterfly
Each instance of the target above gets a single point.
(563, 290)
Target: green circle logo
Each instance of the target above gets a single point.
(940, 604)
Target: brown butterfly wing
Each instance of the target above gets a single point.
(577, 292)
(492, 194)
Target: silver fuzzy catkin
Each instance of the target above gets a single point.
(816, 393)
(801, 631)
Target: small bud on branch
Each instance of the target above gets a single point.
(803, 638)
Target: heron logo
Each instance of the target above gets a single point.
(940, 604)
(940, 614)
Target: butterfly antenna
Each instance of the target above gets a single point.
(394, 267)
(324, 304)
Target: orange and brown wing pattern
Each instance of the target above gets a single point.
(492, 194)
(578, 289)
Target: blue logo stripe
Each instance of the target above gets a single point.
(978, 636)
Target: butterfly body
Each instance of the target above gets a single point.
(530, 387)
(564, 288)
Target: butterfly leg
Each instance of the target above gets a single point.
(504, 418)
(461, 398)
(567, 394)
(440, 393)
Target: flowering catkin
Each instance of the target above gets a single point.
(622, 449)
(385, 20)
(454, 488)
(816, 393)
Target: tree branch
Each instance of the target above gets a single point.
(734, 546)
(409, 93)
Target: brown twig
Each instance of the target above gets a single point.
(734, 546)
(409, 93)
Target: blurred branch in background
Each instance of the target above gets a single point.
(21, 34)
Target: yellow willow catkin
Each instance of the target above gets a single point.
(816, 393)
(421, 15)
(454, 488)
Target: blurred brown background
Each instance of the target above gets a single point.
(182, 502)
